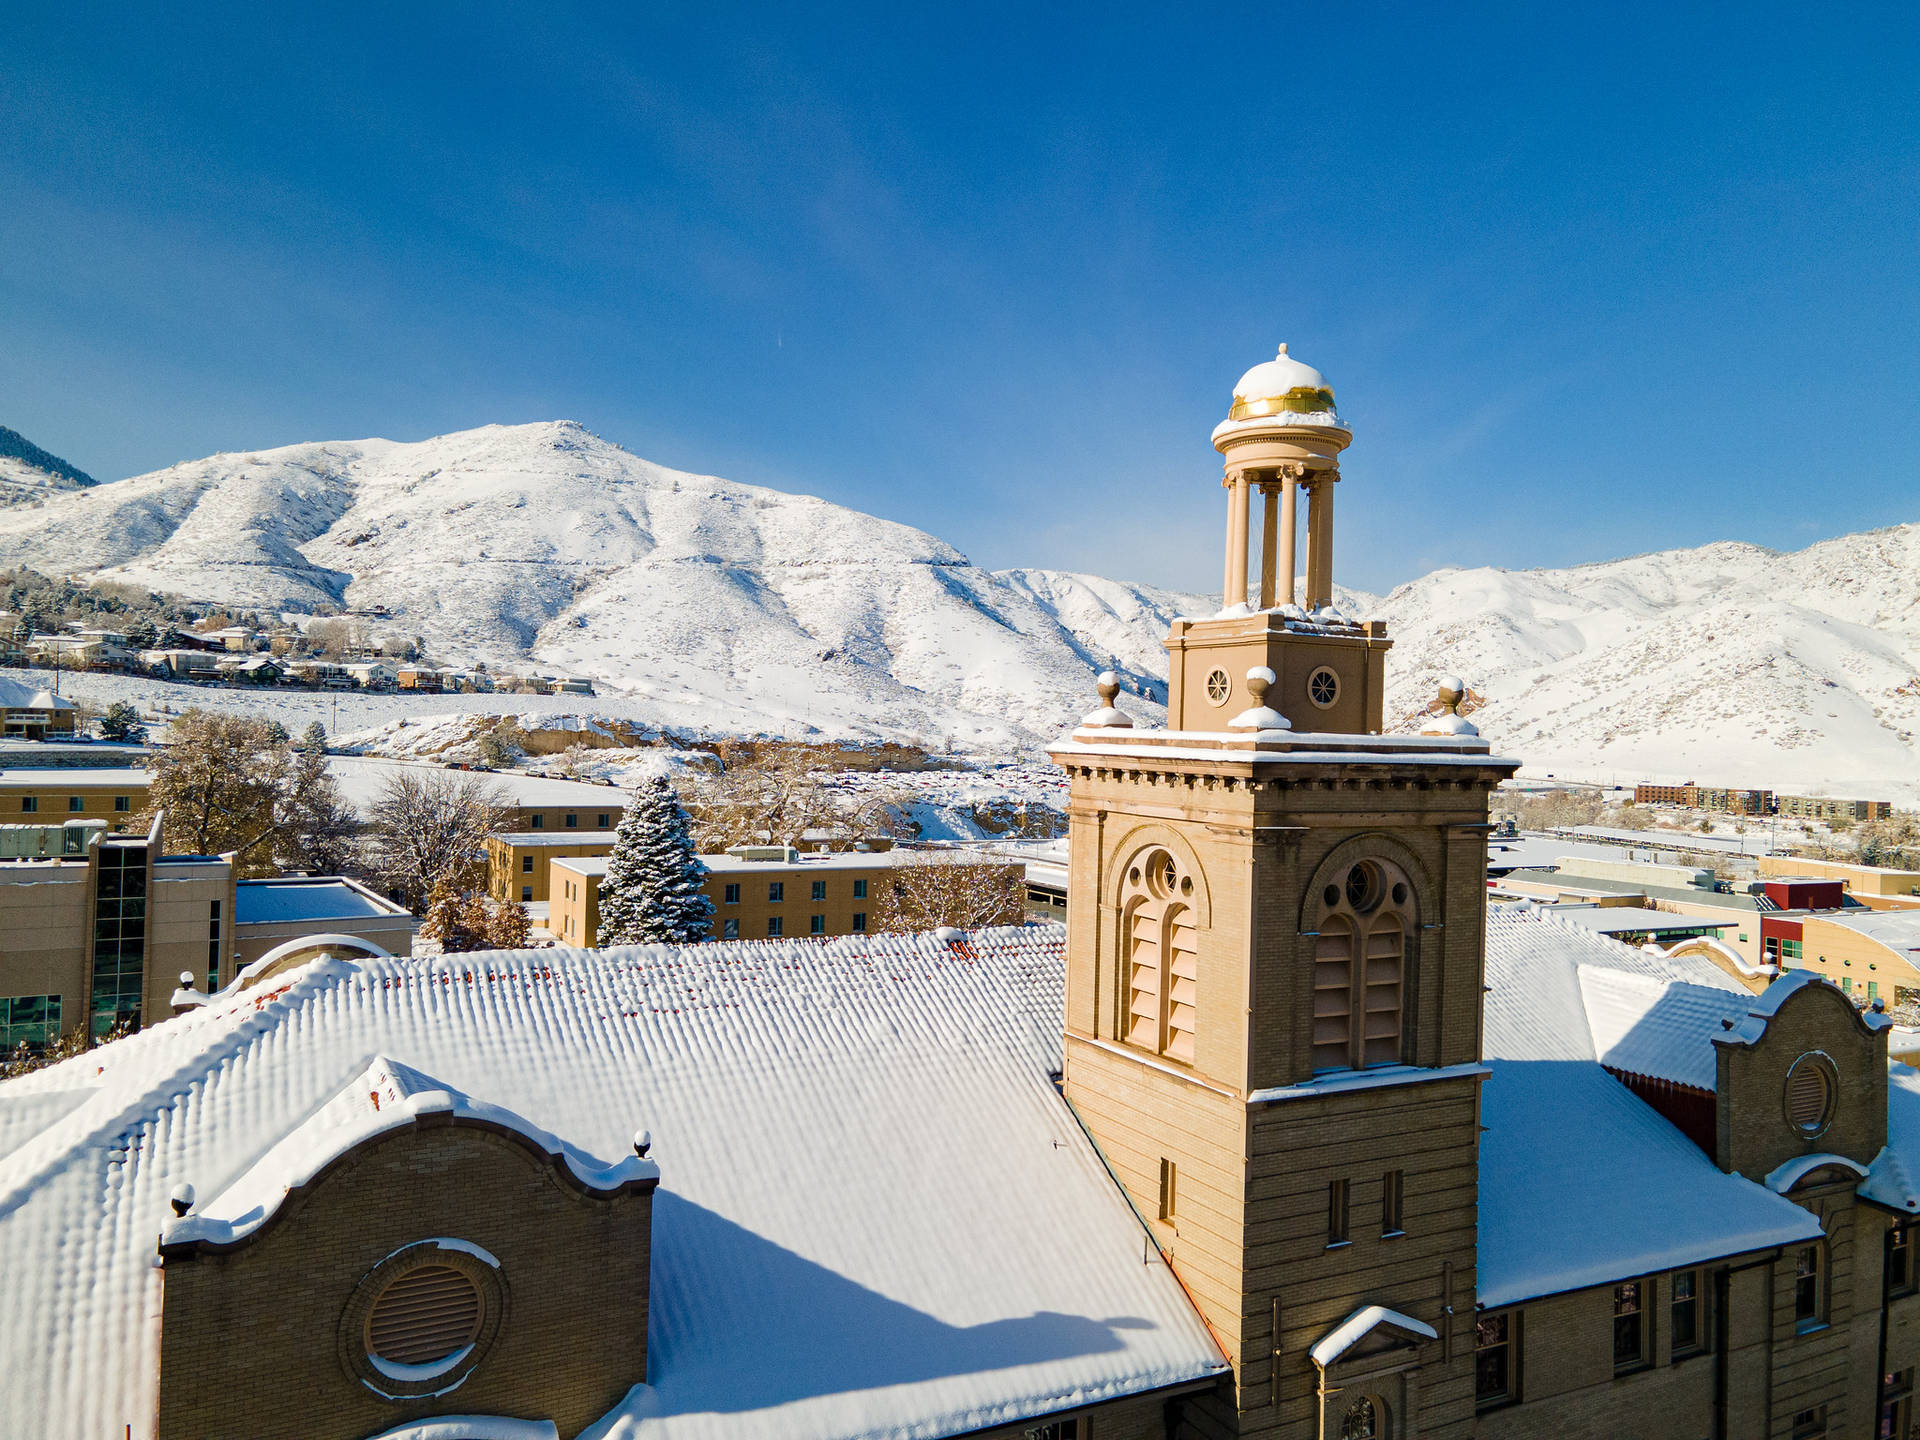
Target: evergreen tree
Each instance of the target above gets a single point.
(314, 738)
(122, 722)
(654, 890)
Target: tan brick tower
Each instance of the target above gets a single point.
(1274, 970)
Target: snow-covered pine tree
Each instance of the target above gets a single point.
(654, 890)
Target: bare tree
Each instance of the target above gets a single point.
(225, 783)
(774, 794)
(946, 887)
(430, 827)
(322, 834)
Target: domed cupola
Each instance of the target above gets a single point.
(1282, 386)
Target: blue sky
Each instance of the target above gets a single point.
(1589, 281)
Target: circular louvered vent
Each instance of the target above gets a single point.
(425, 1315)
(1810, 1094)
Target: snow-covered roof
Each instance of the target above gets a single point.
(1896, 929)
(384, 1096)
(1581, 1182)
(1659, 1028)
(361, 778)
(873, 1114)
(20, 695)
(1891, 1179)
(75, 777)
(275, 902)
(1364, 1321)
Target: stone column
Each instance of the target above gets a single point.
(1325, 523)
(1236, 586)
(1316, 524)
(1289, 539)
(1269, 542)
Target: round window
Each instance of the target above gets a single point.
(423, 1318)
(1219, 687)
(1362, 1422)
(1323, 687)
(1810, 1094)
(426, 1318)
(1363, 887)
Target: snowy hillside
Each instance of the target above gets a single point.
(705, 603)
(1728, 664)
(28, 474)
(702, 604)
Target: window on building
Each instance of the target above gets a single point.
(776, 891)
(1810, 1424)
(819, 889)
(1161, 953)
(526, 864)
(1809, 1287)
(1873, 990)
(213, 946)
(76, 804)
(731, 894)
(30, 1020)
(1494, 1371)
(1629, 1327)
(1689, 1331)
(730, 929)
(1169, 1188)
(29, 804)
(123, 803)
(539, 822)
(1363, 919)
(1896, 1406)
(1054, 1430)
(1362, 1421)
(600, 821)
(119, 936)
(816, 924)
(1900, 1277)
(526, 892)
(573, 821)
(1337, 1215)
(1792, 949)
(859, 889)
(774, 925)
(859, 922)
(1393, 1188)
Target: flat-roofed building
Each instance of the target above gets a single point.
(1866, 883)
(517, 860)
(1826, 807)
(761, 891)
(534, 802)
(267, 913)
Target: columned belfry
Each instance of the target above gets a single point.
(1281, 439)
(1274, 974)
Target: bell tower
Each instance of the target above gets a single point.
(1282, 438)
(1274, 969)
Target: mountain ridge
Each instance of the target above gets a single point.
(720, 605)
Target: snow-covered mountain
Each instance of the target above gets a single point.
(28, 474)
(1729, 664)
(707, 604)
(711, 603)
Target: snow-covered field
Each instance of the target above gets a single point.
(706, 608)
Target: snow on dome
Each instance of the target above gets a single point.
(1281, 384)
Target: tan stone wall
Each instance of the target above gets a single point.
(179, 916)
(1198, 647)
(552, 819)
(1754, 1133)
(573, 913)
(1860, 880)
(251, 1343)
(52, 801)
(46, 910)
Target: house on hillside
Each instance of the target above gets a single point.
(29, 712)
(371, 674)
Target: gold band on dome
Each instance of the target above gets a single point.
(1301, 400)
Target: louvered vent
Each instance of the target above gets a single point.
(1809, 1092)
(424, 1316)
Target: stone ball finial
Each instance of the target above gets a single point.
(182, 1198)
(1261, 716)
(1107, 716)
(1452, 691)
(186, 979)
(642, 1143)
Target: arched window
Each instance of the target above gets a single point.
(1363, 918)
(1160, 953)
(1362, 1421)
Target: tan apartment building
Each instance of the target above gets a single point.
(760, 891)
(1706, 797)
(517, 860)
(1825, 807)
(52, 797)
